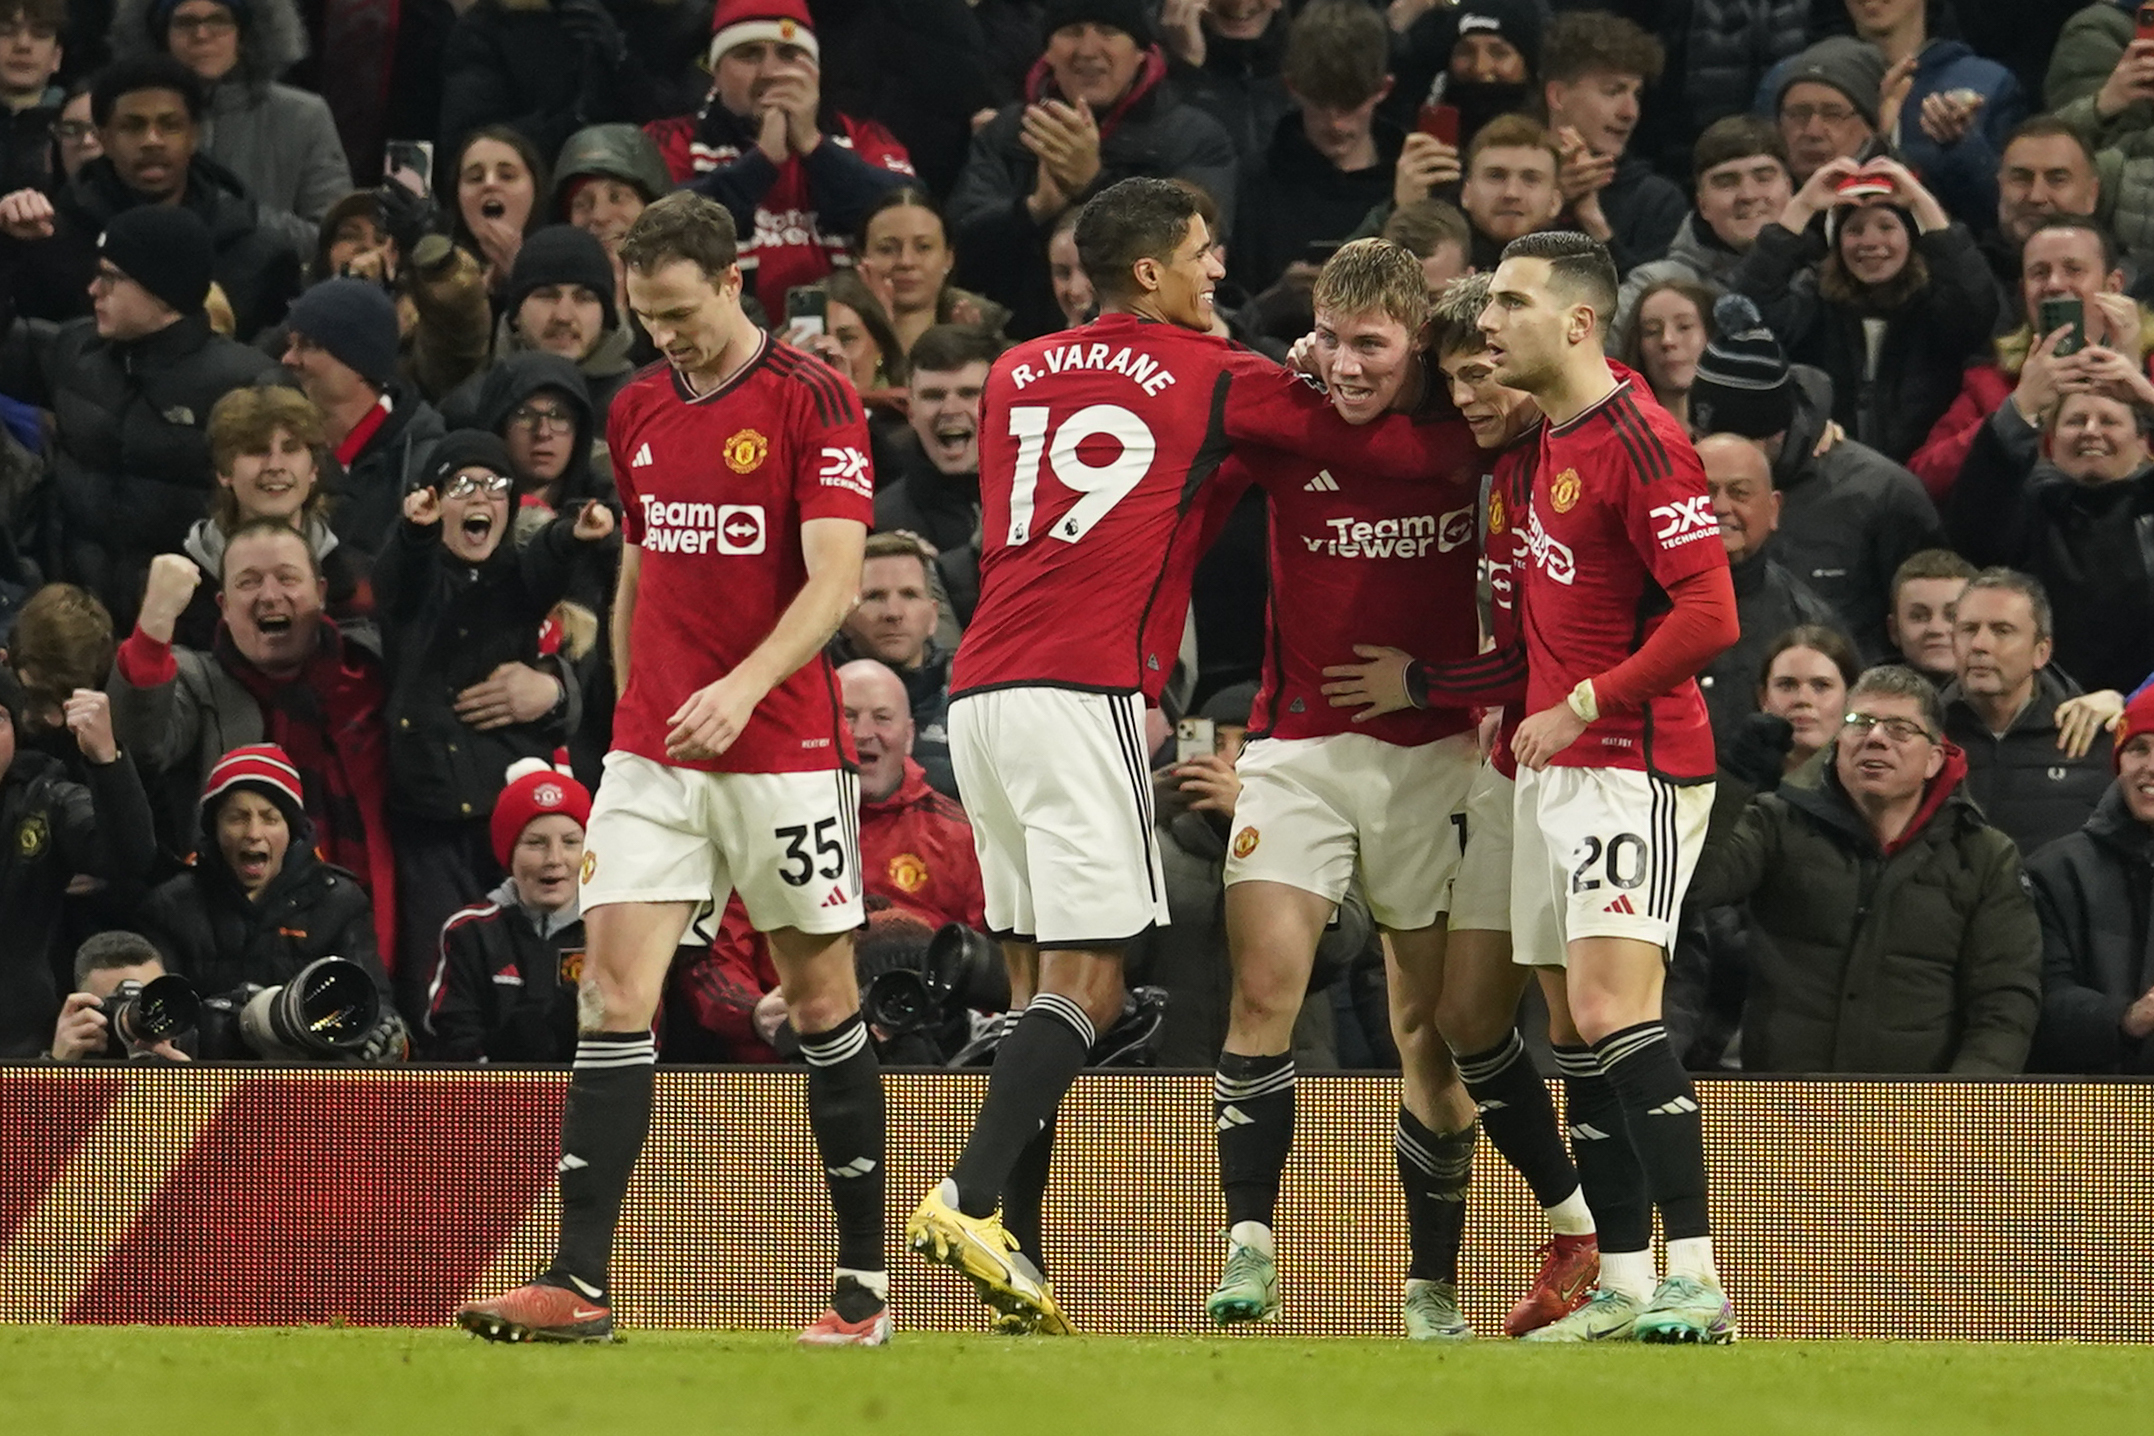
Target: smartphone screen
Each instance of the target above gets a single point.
(1439, 122)
(808, 310)
(1195, 738)
(410, 163)
(2055, 314)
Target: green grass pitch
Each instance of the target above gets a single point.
(317, 1382)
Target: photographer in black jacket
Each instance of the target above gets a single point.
(52, 828)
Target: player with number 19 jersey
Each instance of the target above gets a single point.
(714, 489)
(1100, 451)
(1097, 446)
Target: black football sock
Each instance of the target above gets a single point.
(1434, 1171)
(1025, 1193)
(1253, 1113)
(603, 1124)
(845, 1107)
(1608, 1165)
(1519, 1118)
(1661, 1108)
(1033, 1067)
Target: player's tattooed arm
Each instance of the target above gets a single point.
(717, 714)
(1392, 680)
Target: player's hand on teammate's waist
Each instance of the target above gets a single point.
(1376, 687)
(1546, 734)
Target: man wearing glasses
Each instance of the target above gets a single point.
(1902, 938)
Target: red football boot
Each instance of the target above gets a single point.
(538, 1312)
(1569, 1267)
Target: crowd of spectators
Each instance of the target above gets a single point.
(314, 312)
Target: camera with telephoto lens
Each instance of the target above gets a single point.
(143, 1014)
(960, 971)
(330, 1012)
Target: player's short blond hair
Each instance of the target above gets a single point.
(1374, 276)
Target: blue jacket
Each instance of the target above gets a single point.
(1964, 177)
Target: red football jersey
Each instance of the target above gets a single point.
(1508, 493)
(714, 490)
(1620, 511)
(1099, 448)
(1361, 560)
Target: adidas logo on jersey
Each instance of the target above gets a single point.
(1676, 1107)
(1622, 905)
(1231, 1117)
(642, 459)
(1586, 1132)
(857, 1167)
(1323, 483)
(837, 898)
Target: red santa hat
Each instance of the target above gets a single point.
(536, 789)
(743, 22)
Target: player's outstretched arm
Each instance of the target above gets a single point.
(716, 714)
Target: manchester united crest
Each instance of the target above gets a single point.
(32, 836)
(907, 873)
(572, 967)
(1495, 513)
(590, 864)
(745, 451)
(1563, 493)
(1245, 842)
(549, 795)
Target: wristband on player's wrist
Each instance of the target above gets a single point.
(1582, 703)
(1417, 684)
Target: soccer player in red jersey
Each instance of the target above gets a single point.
(1477, 1007)
(1099, 458)
(746, 499)
(1625, 596)
(1324, 798)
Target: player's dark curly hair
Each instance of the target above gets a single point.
(1130, 220)
(1578, 264)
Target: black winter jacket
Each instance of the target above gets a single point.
(1003, 254)
(2092, 546)
(515, 379)
(446, 625)
(918, 67)
(520, 65)
(2093, 890)
(1292, 195)
(368, 495)
(258, 270)
(211, 933)
(1239, 86)
(1927, 341)
(1644, 210)
(131, 470)
(1768, 602)
(1923, 959)
(2024, 785)
(942, 508)
(504, 987)
(52, 828)
(1848, 518)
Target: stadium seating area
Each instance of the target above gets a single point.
(281, 277)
